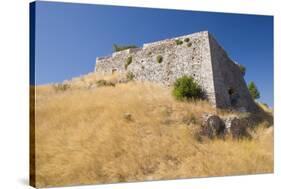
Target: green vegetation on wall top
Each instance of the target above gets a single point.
(186, 40)
(117, 48)
(178, 42)
(242, 69)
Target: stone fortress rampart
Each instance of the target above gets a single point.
(197, 55)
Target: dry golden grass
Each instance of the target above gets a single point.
(83, 137)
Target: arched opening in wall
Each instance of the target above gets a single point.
(233, 96)
(230, 91)
(113, 71)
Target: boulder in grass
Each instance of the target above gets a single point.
(238, 128)
(213, 126)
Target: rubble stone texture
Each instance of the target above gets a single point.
(198, 55)
(213, 126)
(238, 128)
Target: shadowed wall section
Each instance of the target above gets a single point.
(230, 87)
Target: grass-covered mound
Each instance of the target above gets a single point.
(131, 132)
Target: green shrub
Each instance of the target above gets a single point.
(61, 87)
(242, 69)
(117, 48)
(178, 41)
(130, 76)
(186, 88)
(159, 59)
(186, 40)
(104, 83)
(189, 44)
(128, 61)
(253, 90)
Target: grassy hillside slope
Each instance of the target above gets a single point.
(131, 132)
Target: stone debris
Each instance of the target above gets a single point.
(213, 126)
(238, 128)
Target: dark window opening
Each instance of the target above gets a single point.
(230, 91)
(234, 97)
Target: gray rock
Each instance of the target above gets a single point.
(213, 126)
(238, 128)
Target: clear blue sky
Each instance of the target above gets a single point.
(70, 36)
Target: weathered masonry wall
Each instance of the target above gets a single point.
(190, 58)
(197, 55)
(230, 86)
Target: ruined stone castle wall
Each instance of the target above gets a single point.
(199, 56)
(190, 58)
(230, 86)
